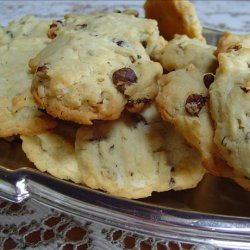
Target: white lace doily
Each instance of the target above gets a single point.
(31, 225)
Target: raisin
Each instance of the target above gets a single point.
(246, 90)
(120, 43)
(124, 77)
(208, 79)
(194, 104)
(144, 44)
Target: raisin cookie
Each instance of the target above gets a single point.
(182, 100)
(54, 152)
(229, 42)
(182, 51)
(174, 17)
(19, 114)
(96, 66)
(27, 26)
(230, 107)
(136, 155)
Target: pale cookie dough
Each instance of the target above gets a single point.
(182, 100)
(96, 66)
(54, 152)
(18, 112)
(27, 26)
(118, 26)
(174, 17)
(136, 155)
(182, 51)
(230, 42)
(230, 108)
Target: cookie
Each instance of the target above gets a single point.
(96, 66)
(136, 155)
(230, 108)
(183, 101)
(116, 26)
(182, 51)
(54, 152)
(27, 26)
(19, 114)
(230, 42)
(174, 17)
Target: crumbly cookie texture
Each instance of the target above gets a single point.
(19, 114)
(175, 17)
(27, 26)
(54, 152)
(230, 108)
(96, 66)
(182, 51)
(136, 155)
(230, 42)
(182, 100)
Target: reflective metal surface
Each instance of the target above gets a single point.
(216, 212)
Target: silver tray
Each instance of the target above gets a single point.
(216, 213)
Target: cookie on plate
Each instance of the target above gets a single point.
(136, 155)
(19, 114)
(174, 17)
(182, 51)
(96, 66)
(183, 101)
(230, 108)
(27, 26)
(230, 42)
(54, 152)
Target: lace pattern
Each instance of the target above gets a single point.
(31, 225)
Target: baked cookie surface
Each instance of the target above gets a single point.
(230, 108)
(54, 152)
(182, 100)
(175, 17)
(18, 112)
(136, 155)
(96, 66)
(27, 26)
(182, 51)
(230, 42)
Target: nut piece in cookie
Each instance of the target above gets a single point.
(174, 17)
(97, 66)
(19, 114)
(136, 155)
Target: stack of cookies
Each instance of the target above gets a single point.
(89, 99)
